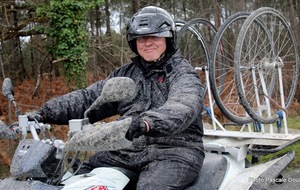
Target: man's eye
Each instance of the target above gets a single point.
(142, 39)
(145, 38)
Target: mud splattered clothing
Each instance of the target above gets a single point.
(169, 99)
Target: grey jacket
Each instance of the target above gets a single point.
(170, 98)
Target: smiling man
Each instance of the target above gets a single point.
(166, 129)
(151, 47)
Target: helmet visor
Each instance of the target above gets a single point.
(166, 34)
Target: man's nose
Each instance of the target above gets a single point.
(148, 40)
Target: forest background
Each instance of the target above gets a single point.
(73, 38)
(50, 47)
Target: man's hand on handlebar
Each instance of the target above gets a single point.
(138, 127)
(36, 117)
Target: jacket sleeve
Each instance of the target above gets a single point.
(183, 105)
(61, 109)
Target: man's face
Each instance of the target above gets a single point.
(151, 47)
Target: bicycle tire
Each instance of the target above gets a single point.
(194, 31)
(221, 70)
(198, 54)
(262, 63)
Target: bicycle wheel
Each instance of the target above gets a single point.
(258, 61)
(194, 40)
(221, 70)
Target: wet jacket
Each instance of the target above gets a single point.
(169, 98)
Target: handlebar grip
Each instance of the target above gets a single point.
(5, 133)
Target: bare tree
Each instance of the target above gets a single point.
(217, 14)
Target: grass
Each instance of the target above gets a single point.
(4, 171)
(293, 123)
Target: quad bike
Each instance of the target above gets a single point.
(41, 162)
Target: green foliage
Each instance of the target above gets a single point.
(67, 28)
(293, 123)
(4, 170)
(294, 164)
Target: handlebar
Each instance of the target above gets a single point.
(5, 133)
(23, 126)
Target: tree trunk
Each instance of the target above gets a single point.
(217, 14)
(135, 6)
(107, 18)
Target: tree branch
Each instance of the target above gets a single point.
(10, 32)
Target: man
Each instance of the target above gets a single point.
(166, 130)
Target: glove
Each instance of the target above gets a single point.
(138, 127)
(36, 117)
